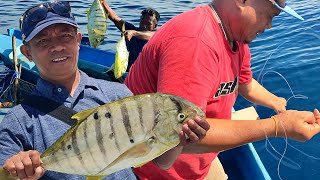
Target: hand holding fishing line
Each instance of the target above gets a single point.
(298, 125)
(25, 165)
(279, 104)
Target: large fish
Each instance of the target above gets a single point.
(120, 64)
(97, 23)
(125, 133)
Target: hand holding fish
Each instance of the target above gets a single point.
(298, 125)
(25, 165)
(195, 130)
(129, 34)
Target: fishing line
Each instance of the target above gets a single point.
(291, 164)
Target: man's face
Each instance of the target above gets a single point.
(257, 17)
(147, 22)
(55, 51)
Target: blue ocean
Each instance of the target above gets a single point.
(285, 59)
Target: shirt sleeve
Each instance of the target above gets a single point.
(187, 68)
(129, 26)
(245, 73)
(11, 137)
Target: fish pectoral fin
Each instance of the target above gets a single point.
(95, 177)
(4, 174)
(97, 31)
(136, 151)
(88, 12)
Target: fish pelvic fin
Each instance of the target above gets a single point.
(4, 174)
(95, 177)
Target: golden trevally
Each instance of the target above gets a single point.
(97, 23)
(121, 58)
(121, 134)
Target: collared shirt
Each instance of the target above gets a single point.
(134, 46)
(25, 128)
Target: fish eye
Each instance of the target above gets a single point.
(181, 117)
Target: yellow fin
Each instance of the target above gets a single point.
(97, 31)
(95, 177)
(136, 151)
(88, 12)
(5, 175)
(80, 116)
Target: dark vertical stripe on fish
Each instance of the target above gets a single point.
(139, 106)
(113, 132)
(126, 121)
(85, 136)
(99, 135)
(76, 150)
(156, 110)
(177, 103)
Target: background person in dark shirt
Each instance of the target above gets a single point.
(136, 38)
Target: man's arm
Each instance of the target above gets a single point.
(226, 134)
(144, 35)
(112, 15)
(257, 94)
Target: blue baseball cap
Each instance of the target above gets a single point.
(288, 10)
(41, 16)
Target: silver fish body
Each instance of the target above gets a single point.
(122, 134)
(97, 23)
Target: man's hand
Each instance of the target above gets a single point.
(25, 165)
(129, 34)
(298, 125)
(279, 104)
(195, 129)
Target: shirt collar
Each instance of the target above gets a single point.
(48, 89)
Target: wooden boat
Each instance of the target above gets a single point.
(239, 163)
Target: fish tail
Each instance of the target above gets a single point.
(4, 174)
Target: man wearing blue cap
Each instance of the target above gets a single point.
(203, 56)
(51, 41)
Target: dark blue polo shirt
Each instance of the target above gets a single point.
(134, 46)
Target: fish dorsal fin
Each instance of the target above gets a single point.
(95, 177)
(80, 116)
(136, 151)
